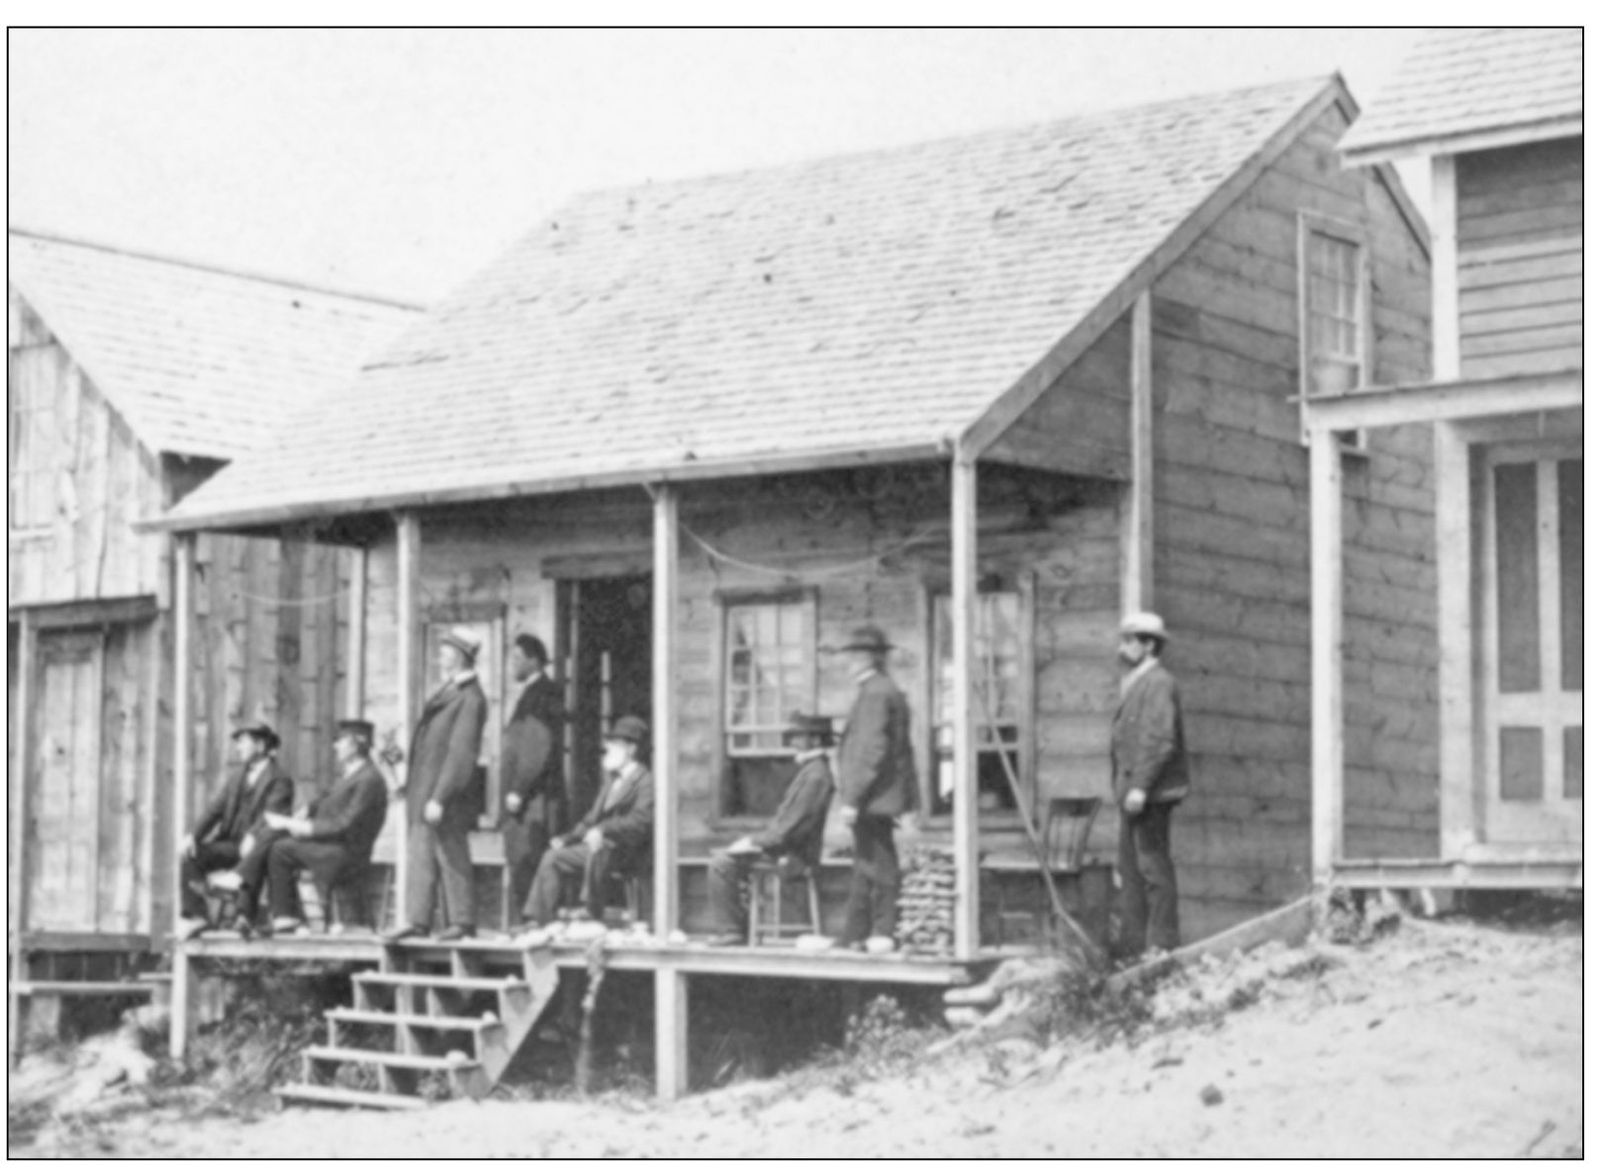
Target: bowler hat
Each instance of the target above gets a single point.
(629, 728)
(1145, 625)
(871, 638)
(360, 728)
(817, 726)
(260, 732)
(462, 640)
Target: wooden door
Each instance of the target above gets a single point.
(65, 783)
(1532, 618)
(610, 668)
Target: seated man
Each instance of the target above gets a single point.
(793, 836)
(232, 827)
(614, 837)
(335, 839)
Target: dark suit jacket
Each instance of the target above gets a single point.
(877, 755)
(625, 818)
(1149, 748)
(443, 764)
(233, 812)
(532, 757)
(798, 826)
(352, 812)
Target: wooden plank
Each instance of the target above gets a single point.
(409, 537)
(1522, 194)
(1523, 318)
(966, 812)
(1561, 256)
(183, 634)
(1559, 220)
(1509, 296)
(1517, 251)
(1326, 655)
(1458, 583)
(1478, 344)
(1445, 272)
(357, 635)
(665, 715)
(1137, 577)
(22, 725)
(1290, 924)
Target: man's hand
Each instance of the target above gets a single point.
(1135, 801)
(849, 815)
(188, 847)
(300, 827)
(248, 845)
(594, 839)
(514, 803)
(433, 812)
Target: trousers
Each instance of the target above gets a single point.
(877, 880)
(727, 890)
(209, 856)
(561, 866)
(438, 855)
(289, 857)
(1148, 897)
(524, 839)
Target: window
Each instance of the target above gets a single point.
(768, 660)
(491, 667)
(33, 446)
(1003, 673)
(1335, 310)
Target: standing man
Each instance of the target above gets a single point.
(615, 836)
(532, 767)
(334, 840)
(444, 794)
(793, 836)
(877, 782)
(1149, 751)
(232, 827)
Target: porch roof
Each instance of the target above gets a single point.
(873, 307)
(197, 360)
(1470, 88)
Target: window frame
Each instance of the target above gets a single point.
(927, 723)
(29, 477)
(725, 601)
(1311, 224)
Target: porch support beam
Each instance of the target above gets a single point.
(1326, 655)
(21, 724)
(357, 633)
(1458, 582)
(670, 987)
(409, 552)
(1447, 401)
(182, 1008)
(966, 828)
(1137, 563)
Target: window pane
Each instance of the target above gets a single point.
(1516, 588)
(1572, 788)
(1521, 763)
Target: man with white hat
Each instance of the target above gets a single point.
(445, 792)
(1149, 753)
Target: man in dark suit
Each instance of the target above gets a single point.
(793, 836)
(445, 791)
(614, 837)
(877, 782)
(334, 840)
(231, 827)
(1148, 749)
(531, 766)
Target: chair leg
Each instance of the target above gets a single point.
(813, 905)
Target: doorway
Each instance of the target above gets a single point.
(606, 624)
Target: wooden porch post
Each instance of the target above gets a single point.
(670, 985)
(966, 830)
(357, 635)
(409, 541)
(182, 1008)
(1326, 654)
(17, 870)
(1137, 576)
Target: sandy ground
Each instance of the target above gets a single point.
(1441, 1040)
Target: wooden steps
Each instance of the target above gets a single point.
(458, 1029)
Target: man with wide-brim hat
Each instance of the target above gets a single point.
(334, 839)
(1148, 752)
(878, 786)
(232, 825)
(794, 835)
(615, 837)
(445, 793)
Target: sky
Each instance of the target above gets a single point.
(399, 162)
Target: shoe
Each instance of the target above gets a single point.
(534, 934)
(396, 935)
(455, 934)
(286, 925)
(243, 926)
(879, 944)
(188, 928)
(732, 939)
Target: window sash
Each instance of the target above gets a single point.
(768, 672)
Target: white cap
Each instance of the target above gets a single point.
(1149, 625)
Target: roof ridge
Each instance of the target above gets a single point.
(1003, 129)
(216, 269)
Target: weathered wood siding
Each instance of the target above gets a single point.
(1521, 258)
(1232, 545)
(102, 478)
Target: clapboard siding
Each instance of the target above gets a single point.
(1520, 227)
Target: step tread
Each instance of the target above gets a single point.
(444, 1023)
(450, 982)
(392, 1059)
(79, 987)
(333, 1095)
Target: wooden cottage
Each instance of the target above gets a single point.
(130, 380)
(1499, 114)
(987, 393)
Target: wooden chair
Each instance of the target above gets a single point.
(1066, 829)
(766, 901)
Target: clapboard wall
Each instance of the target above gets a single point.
(1520, 229)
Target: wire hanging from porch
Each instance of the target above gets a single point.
(919, 537)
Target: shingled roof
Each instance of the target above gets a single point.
(860, 308)
(197, 360)
(1460, 87)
